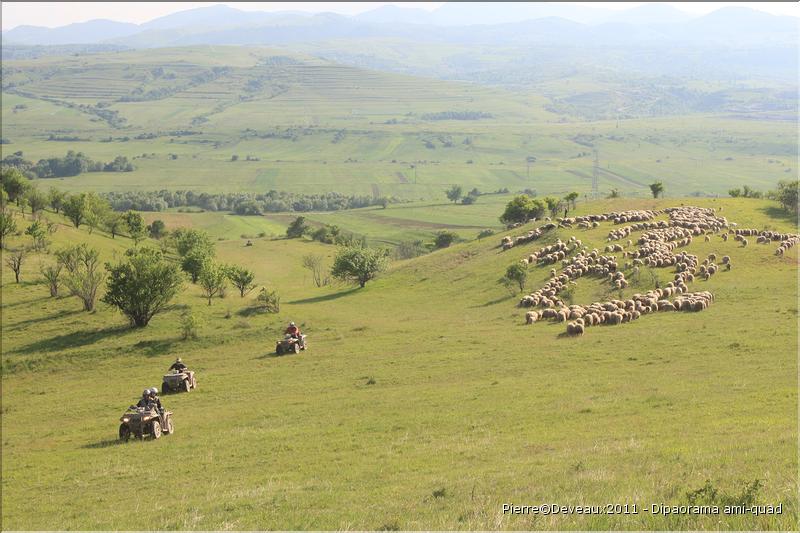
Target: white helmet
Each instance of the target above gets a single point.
(145, 393)
(291, 323)
(154, 391)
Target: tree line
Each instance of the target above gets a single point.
(242, 203)
(72, 164)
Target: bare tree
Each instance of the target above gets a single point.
(313, 262)
(15, 260)
(83, 273)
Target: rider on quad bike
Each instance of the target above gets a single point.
(178, 365)
(294, 331)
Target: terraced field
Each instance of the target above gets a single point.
(315, 125)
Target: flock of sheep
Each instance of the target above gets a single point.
(656, 248)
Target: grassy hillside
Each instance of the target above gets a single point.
(314, 125)
(424, 402)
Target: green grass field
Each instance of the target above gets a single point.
(318, 126)
(423, 402)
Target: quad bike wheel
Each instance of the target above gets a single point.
(124, 432)
(169, 428)
(156, 429)
(279, 349)
(186, 385)
(164, 388)
(296, 348)
(194, 382)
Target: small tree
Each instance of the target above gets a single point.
(454, 193)
(75, 209)
(35, 199)
(469, 199)
(7, 226)
(15, 184)
(194, 261)
(297, 228)
(571, 198)
(187, 240)
(614, 193)
(96, 211)
(14, 260)
(735, 193)
(444, 239)
(114, 224)
(788, 195)
(241, 278)
(313, 263)
(657, 188)
(157, 229)
(517, 210)
(52, 275)
(142, 285)
(211, 279)
(136, 226)
(553, 205)
(56, 199)
(515, 278)
(38, 232)
(83, 275)
(358, 265)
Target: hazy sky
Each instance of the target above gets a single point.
(53, 14)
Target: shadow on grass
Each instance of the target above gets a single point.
(251, 311)
(155, 347)
(493, 302)
(72, 340)
(26, 302)
(779, 214)
(60, 314)
(102, 444)
(325, 298)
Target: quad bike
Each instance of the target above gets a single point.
(178, 381)
(290, 344)
(140, 422)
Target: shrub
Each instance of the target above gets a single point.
(485, 233)
(297, 228)
(189, 325)
(52, 275)
(409, 249)
(444, 239)
(268, 301)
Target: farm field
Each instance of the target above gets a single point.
(308, 124)
(423, 402)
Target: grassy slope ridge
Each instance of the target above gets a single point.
(468, 408)
(353, 130)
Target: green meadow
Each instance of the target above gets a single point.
(423, 402)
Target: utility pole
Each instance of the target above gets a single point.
(529, 161)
